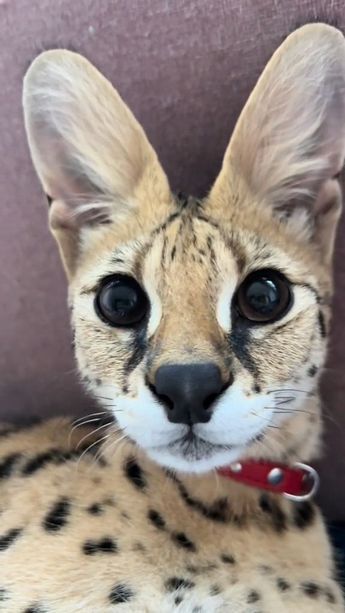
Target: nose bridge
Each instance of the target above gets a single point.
(188, 335)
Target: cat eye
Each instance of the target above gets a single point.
(121, 301)
(264, 296)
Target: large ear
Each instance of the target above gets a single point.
(289, 143)
(90, 153)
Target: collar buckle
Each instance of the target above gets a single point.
(311, 479)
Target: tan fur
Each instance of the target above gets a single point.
(274, 205)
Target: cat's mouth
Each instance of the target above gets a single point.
(191, 446)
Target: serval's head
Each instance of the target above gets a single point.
(201, 325)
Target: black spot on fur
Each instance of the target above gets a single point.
(227, 559)
(104, 545)
(272, 508)
(139, 547)
(283, 585)
(215, 590)
(201, 569)
(176, 583)
(265, 569)
(49, 200)
(156, 519)
(330, 596)
(120, 593)
(322, 324)
(34, 609)
(53, 456)
(303, 514)
(257, 388)
(312, 371)
(3, 595)
(173, 252)
(253, 596)
(135, 473)
(8, 464)
(57, 516)
(178, 600)
(95, 509)
(310, 589)
(183, 541)
(7, 539)
(218, 511)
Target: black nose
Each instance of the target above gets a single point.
(188, 391)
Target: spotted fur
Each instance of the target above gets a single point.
(142, 522)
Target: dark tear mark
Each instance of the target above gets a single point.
(138, 349)
(240, 343)
(57, 516)
(7, 539)
(8, 465)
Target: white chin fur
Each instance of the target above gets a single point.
(184, 465)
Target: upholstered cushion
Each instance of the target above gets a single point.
(186, 68)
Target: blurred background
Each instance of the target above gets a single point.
(186, 69)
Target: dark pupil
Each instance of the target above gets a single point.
(263, 296)
(120, 300)
(121, 303)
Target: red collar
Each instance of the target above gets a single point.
(297, 482)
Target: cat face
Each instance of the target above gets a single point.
(201, 325)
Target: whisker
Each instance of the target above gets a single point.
(92, 432)
(97, 442)
(89, 415)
